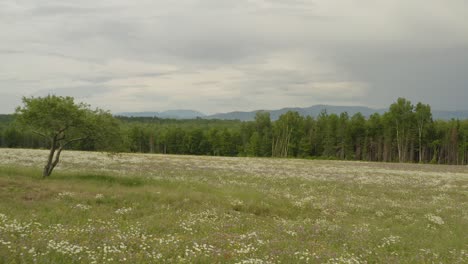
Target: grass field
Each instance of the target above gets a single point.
(99, 208)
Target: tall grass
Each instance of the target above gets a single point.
(210, 210)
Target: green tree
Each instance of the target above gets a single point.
(308, 140)
(287, 131)
(423, 118)
(254, 145)
(12, 137)
(401, 113)
(343, 135)
(263, 128)
(194, 139)
(320, 133)
(62, 122)
(358, 135)
(329, 137)
(375, 131)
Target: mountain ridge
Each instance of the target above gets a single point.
(174, 114)
(313, 111)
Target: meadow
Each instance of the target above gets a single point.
(136, 208)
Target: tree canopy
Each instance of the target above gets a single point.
(62, 122)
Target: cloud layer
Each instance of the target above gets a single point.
(219, 55)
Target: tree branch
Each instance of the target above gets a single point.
(73, 140)
(61, 138)
(40, 134)
(63, 129)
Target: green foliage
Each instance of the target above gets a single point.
(62, 123)
(402, 116)
(50, 115)
(287, 133)
(56, 116)
(406, 133)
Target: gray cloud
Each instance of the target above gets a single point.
(219, 55)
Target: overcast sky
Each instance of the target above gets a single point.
(220, 55)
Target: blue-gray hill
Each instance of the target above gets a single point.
(174, 114)
(313, 111)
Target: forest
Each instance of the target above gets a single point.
(405, 133)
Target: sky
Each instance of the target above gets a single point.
(219, 55)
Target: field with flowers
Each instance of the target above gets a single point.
(133, 208)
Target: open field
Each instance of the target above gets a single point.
(99, 208)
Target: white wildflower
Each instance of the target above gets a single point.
(82, 207)
(434, 219)
(66, 194)
(123, 210)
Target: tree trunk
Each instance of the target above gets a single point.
(54, 155)
(151, 143)
(52, 162)
(420, 145)
(411, 154)
(399, 144)
(47, 171)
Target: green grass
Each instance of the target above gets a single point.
(226, 212)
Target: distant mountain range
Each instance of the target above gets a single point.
(174, 114)
(313, 111)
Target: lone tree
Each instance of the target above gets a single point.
(62, 122)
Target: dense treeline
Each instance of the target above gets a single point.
(406, 133)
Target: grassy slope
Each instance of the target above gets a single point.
(153, 208)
